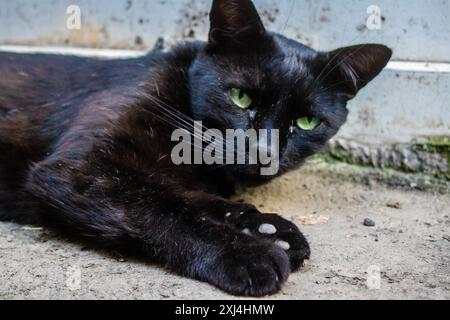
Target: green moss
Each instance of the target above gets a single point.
(323, 163)
(439, 142)
(440, 145)
(434, 144)
(342, 155)
(431, 145)
(322, 157)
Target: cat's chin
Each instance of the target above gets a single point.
(250, 175)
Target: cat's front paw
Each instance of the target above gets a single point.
(282, 232)
(255, 269)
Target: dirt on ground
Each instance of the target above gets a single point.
(406, 255)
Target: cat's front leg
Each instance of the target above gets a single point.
(246, 219)
(154, 217)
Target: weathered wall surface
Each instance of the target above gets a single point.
(407, 103)
(417, 29)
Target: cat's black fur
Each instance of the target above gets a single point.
(85, 145)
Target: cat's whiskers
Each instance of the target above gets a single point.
(190, 123)
(177, 115)
(176, 125)
(185, 118)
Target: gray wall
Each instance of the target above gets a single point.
(405, 103)
(418, 29)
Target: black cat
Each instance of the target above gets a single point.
(85, 145)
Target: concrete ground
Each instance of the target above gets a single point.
(410, 246)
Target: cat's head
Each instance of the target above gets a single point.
(249, 78)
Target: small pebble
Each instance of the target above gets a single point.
(228, 215)
(369, 222)
(266, 228)
(283, 244)
(247, 232)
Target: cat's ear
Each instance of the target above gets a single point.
(234, 23)
(350, 69)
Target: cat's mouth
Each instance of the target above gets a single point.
(249, 175)
(250, 152)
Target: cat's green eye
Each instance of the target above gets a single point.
(240, 98)
(308, 123)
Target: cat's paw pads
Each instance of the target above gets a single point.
(253, 269)
(267, 228)
(282, 232)
(283, 245)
